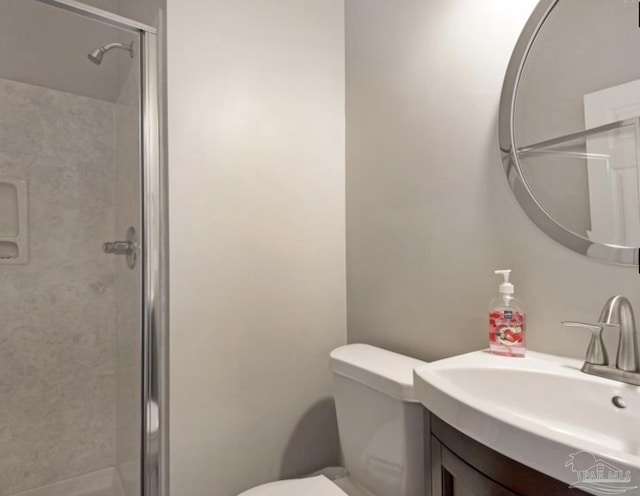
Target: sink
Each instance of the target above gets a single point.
(539, 410)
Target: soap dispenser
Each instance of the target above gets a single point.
(506, 321)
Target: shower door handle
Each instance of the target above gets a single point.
(129, 248)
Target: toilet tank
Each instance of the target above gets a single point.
(380, 422)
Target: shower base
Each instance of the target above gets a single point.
(103, 482)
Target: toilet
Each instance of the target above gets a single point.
(380, 426)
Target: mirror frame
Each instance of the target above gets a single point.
(620, 255)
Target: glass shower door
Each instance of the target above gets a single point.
(71, 314)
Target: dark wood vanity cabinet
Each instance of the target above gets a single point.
(456, 465)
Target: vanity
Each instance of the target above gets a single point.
(527, 426)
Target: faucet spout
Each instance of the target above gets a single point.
(617, 311)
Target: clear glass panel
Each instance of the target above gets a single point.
(70, 356)
(589, 184)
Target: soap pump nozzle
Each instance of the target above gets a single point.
(506, 287)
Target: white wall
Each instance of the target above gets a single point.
(429, 213)
(256, 154)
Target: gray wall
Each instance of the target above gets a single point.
(46, 46)
(429, 213)
(57, 338)
(256, 166)
(55, 44)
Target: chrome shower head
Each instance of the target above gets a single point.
(96, 55)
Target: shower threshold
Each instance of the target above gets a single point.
(105, 482)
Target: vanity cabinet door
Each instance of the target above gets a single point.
(461, 466)
(453, 477)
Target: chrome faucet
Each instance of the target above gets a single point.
(617, 312)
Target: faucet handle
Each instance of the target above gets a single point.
(596, 352)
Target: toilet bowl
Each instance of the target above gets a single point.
(311, 486)
(380, 427)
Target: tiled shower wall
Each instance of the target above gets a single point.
(57, 327)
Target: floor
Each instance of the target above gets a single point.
(103, 482)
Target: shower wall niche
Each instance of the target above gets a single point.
(14, 226)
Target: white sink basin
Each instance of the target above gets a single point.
(538, 410)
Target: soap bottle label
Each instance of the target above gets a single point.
(507, 332)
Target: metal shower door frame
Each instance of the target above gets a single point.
(154, 252)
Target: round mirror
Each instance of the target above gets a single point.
(569, 125)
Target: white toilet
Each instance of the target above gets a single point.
(380, 427)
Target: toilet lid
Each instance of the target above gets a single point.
(311, 486)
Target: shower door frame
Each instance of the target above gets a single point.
(154, 251)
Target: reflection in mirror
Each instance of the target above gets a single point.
(571, 105)
(603, 204)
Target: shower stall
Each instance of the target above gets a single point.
(82, 254)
